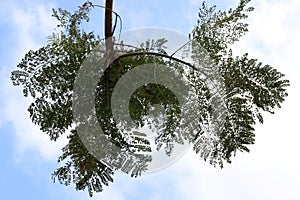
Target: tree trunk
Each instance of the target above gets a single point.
(108, 26)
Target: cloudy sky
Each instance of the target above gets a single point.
(270, 171)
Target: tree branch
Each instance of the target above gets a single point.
(156, 54)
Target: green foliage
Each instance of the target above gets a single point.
(48, 75)
(250, 85)
(216, 30)
(83, 169)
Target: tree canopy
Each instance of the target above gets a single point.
(250, 87)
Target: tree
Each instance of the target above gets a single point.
(48, 75)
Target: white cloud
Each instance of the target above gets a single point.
(32, 23)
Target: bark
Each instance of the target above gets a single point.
(108, 26)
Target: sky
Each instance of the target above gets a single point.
(270, 171)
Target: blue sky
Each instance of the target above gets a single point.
(269, 171)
